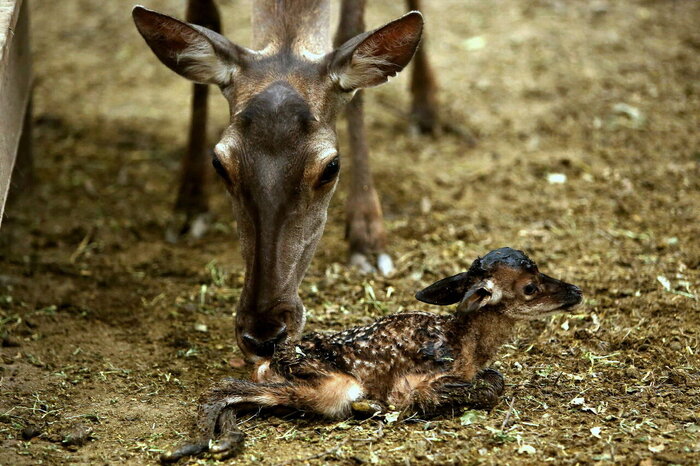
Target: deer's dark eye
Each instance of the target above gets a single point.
(530, 289)
(330, 172)
(220, 169)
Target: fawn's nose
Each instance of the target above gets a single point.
(574, 297)
(264, 346)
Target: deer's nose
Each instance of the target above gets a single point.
(265, 346)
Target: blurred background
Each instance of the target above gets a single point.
(579, 144)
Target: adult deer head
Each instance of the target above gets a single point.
(278, 157)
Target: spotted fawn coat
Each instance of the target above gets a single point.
(415, 361)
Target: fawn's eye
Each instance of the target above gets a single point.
(530, 289)
(330, 171)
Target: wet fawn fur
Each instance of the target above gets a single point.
(416, 361)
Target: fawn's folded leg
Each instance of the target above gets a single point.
(217, 432)
(452, 391)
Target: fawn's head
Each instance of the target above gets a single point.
(507, 280)
(279, 157)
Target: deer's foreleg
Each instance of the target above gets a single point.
(364, 219)
(364, 227)
(451, 392)
(423, 86)
(191, 205)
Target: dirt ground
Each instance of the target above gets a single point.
(588, 158)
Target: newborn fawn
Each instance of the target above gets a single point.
(415, 361)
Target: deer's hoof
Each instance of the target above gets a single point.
(384, 264)
(361, 262)
(424, 121)
(199, 225)
(183, 225)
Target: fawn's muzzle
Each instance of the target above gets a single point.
(574, 297)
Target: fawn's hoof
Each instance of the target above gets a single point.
(365, 409)
(491, 386)
(183, 451)
(493, 378)
(483, 392)
(227, 446)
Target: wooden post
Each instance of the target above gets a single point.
(15, 91)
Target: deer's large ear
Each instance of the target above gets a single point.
(192, 51)
(371, 58)
(444, 292)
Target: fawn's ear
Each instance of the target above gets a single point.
(192, 51)
(444, 292)
(478, 296)
(371, 58)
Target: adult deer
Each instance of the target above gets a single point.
(278, 157)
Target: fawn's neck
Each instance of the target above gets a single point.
(479, 335)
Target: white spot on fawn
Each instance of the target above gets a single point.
(354, 392)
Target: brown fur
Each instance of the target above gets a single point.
(281, 141)
(486, 332)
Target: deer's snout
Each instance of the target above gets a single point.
(264, 346)
(260, 333)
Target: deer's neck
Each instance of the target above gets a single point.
(479, 335)
(302, 26)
